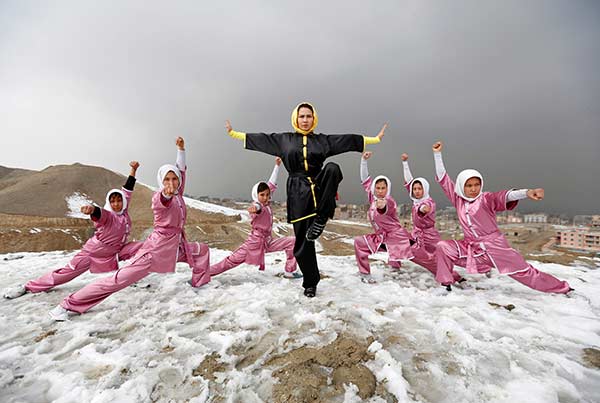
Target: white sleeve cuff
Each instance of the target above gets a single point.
(364, 170)
(515, 195)
(440, 169)
(180, 160)
(407, 174)
(274, 174)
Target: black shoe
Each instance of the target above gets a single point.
(449, 288)
(316, 229)
(310, 292)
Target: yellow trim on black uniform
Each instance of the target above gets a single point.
(370, 140)
(303, 218)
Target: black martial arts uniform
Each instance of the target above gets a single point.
(311, 188)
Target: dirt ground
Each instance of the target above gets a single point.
(308, 374)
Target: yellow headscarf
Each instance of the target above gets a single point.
(295, 119)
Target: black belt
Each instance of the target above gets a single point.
(299, 175)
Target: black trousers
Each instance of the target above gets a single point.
(327, 182)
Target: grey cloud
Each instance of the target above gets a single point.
(511, 87)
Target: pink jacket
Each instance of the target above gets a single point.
(387, 227)
(111, 235)
(262, 226)
(481, 233)
(167, 241)
(424, 231)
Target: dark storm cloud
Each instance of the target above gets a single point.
(511, 87)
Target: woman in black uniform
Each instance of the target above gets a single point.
(311, 187)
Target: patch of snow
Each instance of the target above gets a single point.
(348, 222)
(74, 203)
(143, 343)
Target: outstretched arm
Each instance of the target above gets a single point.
(233, 133)
(343, 143)
(533, 194)
(407, 174)
(254, 208)
(275, 173)
(377, 139)
(364, 166)
(94, 212)
(440, 169)
(130, 183)
(180, 162)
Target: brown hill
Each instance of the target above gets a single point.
(9, 176)
(33, 209)
(44, 193)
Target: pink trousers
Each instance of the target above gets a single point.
(239, 256)
(421, 257)
(96, 292)
(448, 256)
(70, 271)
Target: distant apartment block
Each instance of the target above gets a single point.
(535, 218)
(579, 238)
(509, 217)
(562, 219)
(583, 220)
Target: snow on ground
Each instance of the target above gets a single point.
(212, 208)
(143, 343)
(205, 206)
(348, 222)
(74, 202)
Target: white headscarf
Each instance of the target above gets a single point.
(163, 171)
(255, 190)
(462, 178)
(107, 205)
(386, 179)
(425, 186)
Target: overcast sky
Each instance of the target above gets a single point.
(511, 87)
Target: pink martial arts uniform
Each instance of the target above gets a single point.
(100, 253)
(424, 234)
(388, 231)
(165, 246)
(260, 241)
(484, 246)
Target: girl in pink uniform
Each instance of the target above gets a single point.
(165, 246)
(484, 246)
(100, 253)
(389, 234)
(259, 242)
(424, 234)
(423, 210)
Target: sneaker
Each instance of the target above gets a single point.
(367, 279)
(310, 292)
(15, 292)
(316, 229)
(488, 274)
(59, 314)
(292, 275)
